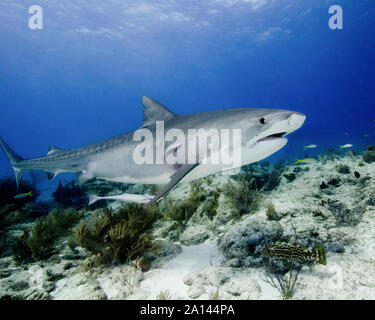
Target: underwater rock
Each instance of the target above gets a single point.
(5, 274)
(369, 156)
(53, 276)
(336, 247)
(328, 192)
(49, 286)
(242, 289)
(245, 240)
(363, 180)
(254, 239)
(233, 263)
(371, 201)
(323, 186)
(356, 174)
(195, 292)
(343, 169)
(194, 235)
(290, 176)
(68, 266)
(19, 285)
(334, 182)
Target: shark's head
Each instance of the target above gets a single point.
(264, 131)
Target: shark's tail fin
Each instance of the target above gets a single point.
(14, 160)
(93, 198)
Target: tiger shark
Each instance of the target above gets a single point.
(262, 133)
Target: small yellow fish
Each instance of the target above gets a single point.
(308, 160)
(23, 195)
(365, 135)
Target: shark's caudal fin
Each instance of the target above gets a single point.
(14, 160)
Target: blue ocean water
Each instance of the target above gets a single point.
(80, 79)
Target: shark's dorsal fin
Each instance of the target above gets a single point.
(53, 149)
(153, 111)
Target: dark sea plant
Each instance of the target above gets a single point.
(282, 275)
(181, 211)
(70, 195)
(213, 203)
(241, 196)
(117, 236)
(39, 243)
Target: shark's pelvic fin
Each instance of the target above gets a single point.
(14, 160)
(53, 149)
(175, 178)
(153, 111)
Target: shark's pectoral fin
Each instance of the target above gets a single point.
(175, 178)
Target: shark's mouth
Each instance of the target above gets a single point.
(274, 136)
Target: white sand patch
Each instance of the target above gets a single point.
(170, 276)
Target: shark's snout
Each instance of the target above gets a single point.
(296, 120)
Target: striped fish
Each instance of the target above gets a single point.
(295, 252)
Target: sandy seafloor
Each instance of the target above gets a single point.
(198, 265)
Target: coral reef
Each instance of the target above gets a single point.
(245, 241)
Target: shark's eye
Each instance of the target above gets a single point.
(262, 120)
